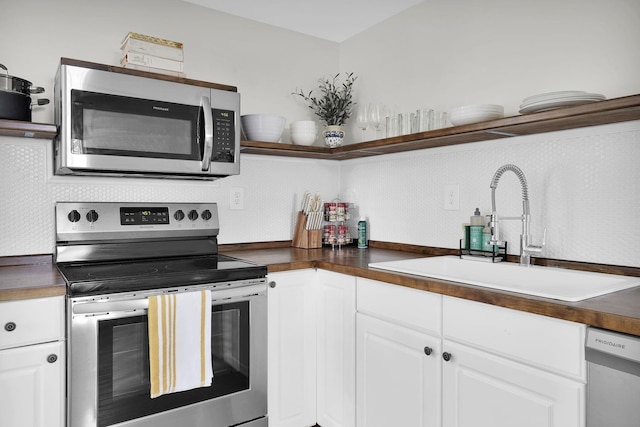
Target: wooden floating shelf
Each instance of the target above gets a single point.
(598, 113)
(27, 129)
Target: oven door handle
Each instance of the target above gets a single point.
(205, 104)
(141, 303)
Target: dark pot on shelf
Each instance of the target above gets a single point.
(15, 97)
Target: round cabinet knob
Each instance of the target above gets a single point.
(446, 356)
(179, 215)
(272, 284)
(92, 216)
(10, 327)
(193, 215)
(74, 216)
(52, 358)
(427, 351)
(206, 215)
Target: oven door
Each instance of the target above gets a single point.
(108, 368)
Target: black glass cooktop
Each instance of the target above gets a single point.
(123, 276)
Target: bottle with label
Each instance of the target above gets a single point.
(477, 225)
(486, 239)
(362, 233)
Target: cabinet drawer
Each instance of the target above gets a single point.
(31, 321)
(401, 305)
(552, 344)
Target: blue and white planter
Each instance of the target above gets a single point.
(333, 136)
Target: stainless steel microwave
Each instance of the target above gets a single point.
(118, 122)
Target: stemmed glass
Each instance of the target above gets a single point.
(375, 119)
(362, 119)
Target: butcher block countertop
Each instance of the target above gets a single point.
(36, 277)
(29, 277)
(618, 311)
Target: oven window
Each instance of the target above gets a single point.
(123, 365)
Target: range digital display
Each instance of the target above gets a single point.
(144, 216)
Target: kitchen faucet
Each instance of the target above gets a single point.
(526, 248)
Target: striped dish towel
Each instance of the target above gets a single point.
(179, 342)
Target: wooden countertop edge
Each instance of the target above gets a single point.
(28, 277)
(546, 307)
(602, 312)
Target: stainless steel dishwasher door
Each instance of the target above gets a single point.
(613, 379)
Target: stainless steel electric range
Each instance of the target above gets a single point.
(113, 256)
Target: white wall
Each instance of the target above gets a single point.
(438, 54)
(442, 54)
(265, 63)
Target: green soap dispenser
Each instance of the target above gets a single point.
(477, 225)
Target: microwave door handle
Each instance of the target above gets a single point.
(208, 133)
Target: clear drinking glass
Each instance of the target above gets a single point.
(375, 118)
(362, 119)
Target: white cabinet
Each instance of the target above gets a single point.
(398, 356)
(336, 350)
(311, 349)
(292, 349)
(507, 367)
(398, 373)
(32, 363)
(481, 389)
(489, 366)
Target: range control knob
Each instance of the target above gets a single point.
(74, 216)
(193, 215)
(92, 216)
(179, 215)
(206, 215)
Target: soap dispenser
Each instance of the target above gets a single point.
(477, 225)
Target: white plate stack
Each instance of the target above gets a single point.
(551, 100)
(152, 54)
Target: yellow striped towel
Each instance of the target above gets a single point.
(179, 342)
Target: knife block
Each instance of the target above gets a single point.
(303, 238)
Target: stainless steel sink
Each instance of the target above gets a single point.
(547, 282)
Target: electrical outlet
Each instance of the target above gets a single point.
(236, 198)
(452, 197)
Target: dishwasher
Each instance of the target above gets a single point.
(613, 379)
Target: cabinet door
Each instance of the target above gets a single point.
(292, 349)
(481, 389)
(32, 386)
(398, 383)
(336, 349)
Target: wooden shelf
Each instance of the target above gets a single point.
(599, 113)
(604, 112)
(27, 129)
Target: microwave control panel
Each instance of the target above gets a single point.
(224, 135)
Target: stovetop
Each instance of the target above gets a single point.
(106, 247)
(108, 277)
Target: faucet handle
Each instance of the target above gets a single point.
(533, 249)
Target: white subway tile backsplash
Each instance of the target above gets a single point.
(582, 188)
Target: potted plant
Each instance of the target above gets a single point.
(333, 106)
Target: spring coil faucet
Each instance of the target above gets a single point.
(526, 248)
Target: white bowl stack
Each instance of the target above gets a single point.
(263, 127)
(475, 113)
(304, 132)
